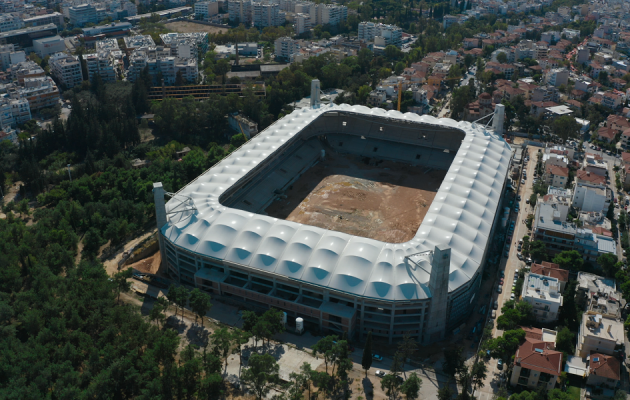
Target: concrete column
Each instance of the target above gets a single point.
(315, 93)
(438, 285)
(499, 118)
(160, 206)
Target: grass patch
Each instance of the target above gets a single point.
(574, 392)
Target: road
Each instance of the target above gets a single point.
(508, 266)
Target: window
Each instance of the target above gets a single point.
(375, 149)
(344, 123)
(417, 156)
(340, 144)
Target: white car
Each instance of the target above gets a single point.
(512, 297)
(379, 373)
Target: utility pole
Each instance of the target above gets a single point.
(69, 174)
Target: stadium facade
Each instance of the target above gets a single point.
(215, 236)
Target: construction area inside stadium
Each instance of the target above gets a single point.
(377, 199)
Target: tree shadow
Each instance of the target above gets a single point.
(173, 322)
(198, 335)
(368, 388)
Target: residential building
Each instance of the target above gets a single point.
(557, 77)
(543, 293)
(302, 23)
(53, 18)
(161, 64)
(26, 69)
(10, 22)
(377, 97)
(138, 42)
(82, 14)
(582, 176)
(41, 92)
(331, 14)
(591, 245)
(266, 14)
(559, 160)
(545, 94)
(536, 363)
(66, 69)
(551, 227)
(595, 164)
(556, 176)
(391, 34)
(13, 112)
(583, 54)
(612, 100)
(552, 270)
(242, 124)
(449, 20)
(49, 45)
(101, 64)
(113, 30)
(286, 48)
(603, 370)
(205, 9)
(186, 45)
(9, 57)
(240, 11)
(599, 334)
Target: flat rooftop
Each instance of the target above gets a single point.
(542, 287)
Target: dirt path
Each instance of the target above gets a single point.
(111, 264)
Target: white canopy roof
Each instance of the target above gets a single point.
(460, 216)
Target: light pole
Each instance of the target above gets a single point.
(69, 174)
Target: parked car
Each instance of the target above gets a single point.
(512, 296)
(379, 373)
(377, 357)
(493, 314)
(500, 361)
(500, 289)
(495, 306)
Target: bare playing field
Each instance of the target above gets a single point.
(189, 27)
(385, 202)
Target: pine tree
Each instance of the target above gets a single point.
(366, 361)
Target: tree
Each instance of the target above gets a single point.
(222, 342)
(121, 282)
(390, 384)
(504, 346)
(199, 303)
(411, 387)
(445, 392)
(324, 347)
(366, 360)
(453, 360)
(261, 374)
(538, 251)
(502, 57)
(533, 199)
(608, 262)
(307, 372)
(296, 387)
(570, 260)
(566, 127)
(478, 374)
(157, 312)
(407, 347)
(273, 321)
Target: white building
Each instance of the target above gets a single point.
(82, 14)
(138, 42)
(598, 334)
(555, 159)
(10, 22)
(543, 293)
(205, 9)
(13, 112)
(390, 33)
(240, 11)
(66, 69)
(53, 18)
(101, 64)
(557, 77)
(331, 14)
(286, 48)
(159, 61)
(49, 45)
(186, 45)
(591, 198)
(41, 92)
(8, 56)
(302, 23)
(266, 14)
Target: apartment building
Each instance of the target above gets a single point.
(331, 14)
(545, 93)
(391, 33)
(603, 371)
(266, 14)
(286, 48)
(591, 197)
(10, 22)
(557, 77)
(41, 92)
(552, 270)
(556, 175)
(242, 124)
(599, 334)
(205, 9)
(9, 57)
(186, 45)
(595, 165)
(26, 69)
(101, 64)
(161, 63)
(240, 11)
(543, 293)
(536, 363)
(53, 18)
(66, 69)
(551, 227)
(302, 23)
(82, 14)
(13, 112)
(138, 42)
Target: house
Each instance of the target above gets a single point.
(591, 198)
(599, 333)
(550, 269)
(556, 176)
(603, 370)
(612, 100)
(587, 177)
(617, 122)
(536, 362)
(555, 159)
(595, 165)
(606, 134)
(543, 293)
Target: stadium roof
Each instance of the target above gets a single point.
(460, 216)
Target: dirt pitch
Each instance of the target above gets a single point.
(189, 27)
(385, 202)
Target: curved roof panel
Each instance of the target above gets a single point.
(461, 216)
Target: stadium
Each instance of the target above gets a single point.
(351, 218)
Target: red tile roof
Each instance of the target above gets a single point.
(539, 356)
(550, 269)
(557, 170)
(588, 177)
(608, 133)
(532, 333)
(601, 231)
(606, 366)
(625, 156)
